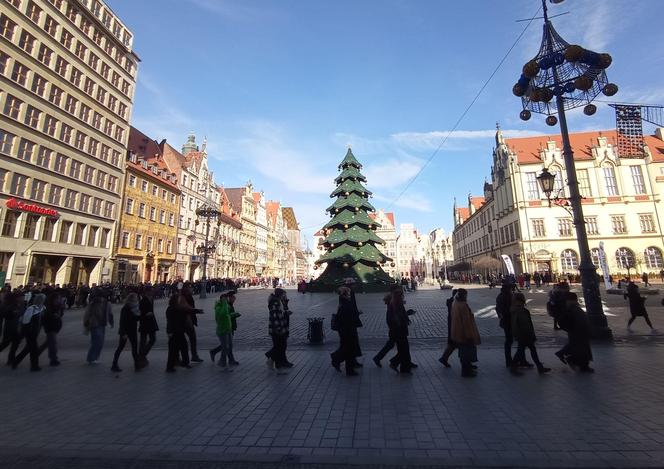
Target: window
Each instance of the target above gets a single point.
(20, 73)
(565, 227)
(32, 117)
(112, 183)
(646, 221)
(105, 238)
(112, 101)
(144, 186)
(85, 26)
(155, 190)
(27, 42)
(66, 39)
(84, 203)
(138, 241)
(49, 125)
(19, 183)
(153, 214)
(105, 68)
(119, 133)
(584, 182)
(88, 174)
(51, 26)
(84, 112)
(141, 210)
(33, 12)
(4, 60)
(61, 66)
(81, 50)
(7, 27)
(172, 199)
(160, 245)
(75, 169)
(70, 104)
(125, 87)
(610, 181)
(49, 229)
(653, 258)
(78, 234)
(89, 86)
(65, 230)
(129, 207)
(569, 260)
(96, 120)
(55, 95)
(30, 228)
(171, 219)
(56, 3)
(60, 163)
(72, 13)
(12, 106)
(93, 60)
(45, 55)
(125, 240)
(532, 186)
(38, 190)
(109, 209)
(101, 94)
(10, 223)
(25, 150)
(97, 37)
(80, 140)
(108, 127)
(100, 180)
(591, 226)
(55, 195)
(625, 258)
(75, 76)
(594, 256)
(618, 224)
(92, 235)
(65, 133)
(6, 141)
(149, 243)
(44, 157)
(17, 4)
(162, 217)
(38, 85)
(637, 179)
(169, 246)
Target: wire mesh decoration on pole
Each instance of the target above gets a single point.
(630, 131)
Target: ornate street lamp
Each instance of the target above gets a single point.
(574, 76)
(206, 213)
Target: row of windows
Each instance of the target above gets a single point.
(125, 242)
(43, 157)
(51, 26)
(144, 211)
(134, 181)
(505, 235)
(22, 186)
(618, 226)
(624, 257)
(583, 176)
(56, 96)
(31, 226)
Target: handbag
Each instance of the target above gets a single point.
(334, 322)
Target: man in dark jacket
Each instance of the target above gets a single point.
(176, 318)
(503, 304)
(147, 326)
(191, 328)
(451, 346)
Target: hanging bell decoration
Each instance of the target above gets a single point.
(551, 120)
(590, 109)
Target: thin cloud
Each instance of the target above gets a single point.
(234, 11)
(431, 140)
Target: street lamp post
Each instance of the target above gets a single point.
(207, 214)
(574, 76)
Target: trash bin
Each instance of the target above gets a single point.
(316, 334)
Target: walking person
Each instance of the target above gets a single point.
(128, 331)
(56, 302)
(278, 328)
(11, 310)
(234, 316)
(97, 316)
(465, 333)
(190, 331)
(397, 321)
(637, 305)
(148, 326)
(30, 327)
(389, 345)
(345, 353)
(222, 317)
(503, 305)
(451, 346)
(176, 317)
(524, 333)
(644, 279)
(577, 352)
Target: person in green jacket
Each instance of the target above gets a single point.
(222, 317)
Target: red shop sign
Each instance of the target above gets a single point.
(32, 208)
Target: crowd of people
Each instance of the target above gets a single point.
(25, 313)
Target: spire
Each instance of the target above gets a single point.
(499, 135)
(204, 145)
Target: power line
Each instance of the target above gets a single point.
(463, 114)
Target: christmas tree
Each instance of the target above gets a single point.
(350, 240)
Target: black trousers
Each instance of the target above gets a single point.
(31, 347)
(520, 355)
(403, 354)
(133, 340)
(509, 340)
(278, 350)
(148, 339)
(389, 345)
(449, 350)
(191, 334)
(177, 345)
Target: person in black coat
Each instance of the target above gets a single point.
(389, 345)
(11, 310)
(346, 327)
(637, 304)
(56, 302)
(397, 320)
(30, 327)
(451, 345)
(503, 305)
(148, 326)
(128, 331)
(193, 323)
(354, 337)
(176, 319)
(577, 352)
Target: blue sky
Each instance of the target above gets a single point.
(280, 88)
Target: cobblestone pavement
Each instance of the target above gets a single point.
(85, 416)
